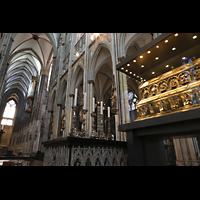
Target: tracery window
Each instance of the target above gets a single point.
(9, 113)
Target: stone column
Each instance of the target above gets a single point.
(178, 151)
(125, 118)
(114, 63)
(69, 97)
(5, 52)
(70, 112)
(185, 153)
(90, 96)
(191, 151)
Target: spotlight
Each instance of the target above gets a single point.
(194, 37)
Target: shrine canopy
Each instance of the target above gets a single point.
(166, 52)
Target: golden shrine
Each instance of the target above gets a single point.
(175, 91)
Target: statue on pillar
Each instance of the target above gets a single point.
(51, 126)
(113, 96)
(63, 119)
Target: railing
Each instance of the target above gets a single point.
(175, 91)
(72, 151)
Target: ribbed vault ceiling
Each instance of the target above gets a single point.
(30, 53)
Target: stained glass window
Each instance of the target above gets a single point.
(9, 113)
(133, 99)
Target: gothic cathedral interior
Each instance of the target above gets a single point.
(99, 99)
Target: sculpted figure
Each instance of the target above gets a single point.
(187, 100)
(151, 109)
(163, 86)
(113, 97)
(145, 93)
(162, 106)
(184, 78)
(154, 90)
(173, 83)
(197, 72)
(63, 120)
(174, 103)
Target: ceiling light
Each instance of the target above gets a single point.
(157, 58)
(176, 34)
(184, 58)
(174, 48)
(134, 74)
(127, 70)
(137, 76)
(142, 66)
(167, 66)
(134, 61)
(153, 72)
(148, 52)
(128, 65)
(122, 68)
(131, 72)
(157, 46)
(166, 41)
(194, 37)
(141, 56)
(141, 78)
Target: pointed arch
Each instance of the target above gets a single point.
(74, 82)
(92, 69)
(62, 92)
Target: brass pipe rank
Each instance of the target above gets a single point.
(175, 91)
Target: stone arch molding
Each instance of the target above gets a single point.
(74, 77)
(62, 91)
(92, 69)
(125, 40)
